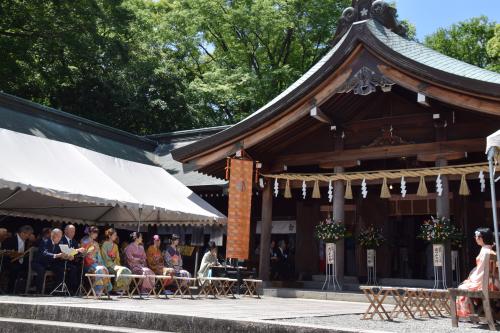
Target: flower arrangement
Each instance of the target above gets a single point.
(438, 230)
(371, 237)
(330, 231)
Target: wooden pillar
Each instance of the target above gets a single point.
(265, 232)
(443, 201)
(338, 216)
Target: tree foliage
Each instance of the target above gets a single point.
(493, 49)
(150, 66)
(466, 41)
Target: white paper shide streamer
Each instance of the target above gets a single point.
(364, 190)
(276, 187)
(439, 185)
(330, 191)
(304, 189)
(403, 187)
(482, 181)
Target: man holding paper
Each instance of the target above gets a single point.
(50, 258)
(70, 246)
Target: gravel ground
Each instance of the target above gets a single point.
(352, 321)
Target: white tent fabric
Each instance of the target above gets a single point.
(47, 179)
(493, 141)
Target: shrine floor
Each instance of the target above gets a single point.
(269, 314)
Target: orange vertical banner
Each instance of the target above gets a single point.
(240, 203)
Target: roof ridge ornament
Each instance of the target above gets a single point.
(361, 10)
(365, 81)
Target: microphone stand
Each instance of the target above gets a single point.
(81, 289)
(62, 287)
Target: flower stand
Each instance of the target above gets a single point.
(331, 268)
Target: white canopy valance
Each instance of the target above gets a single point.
(47, 179)
(493, 140)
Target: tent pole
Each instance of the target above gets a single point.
(139, 221)
(491, 154)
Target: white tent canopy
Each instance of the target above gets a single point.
(47, 179)
(493, 141)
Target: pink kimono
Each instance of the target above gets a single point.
(136, 260)
(473, 283)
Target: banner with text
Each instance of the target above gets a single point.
(239, 208)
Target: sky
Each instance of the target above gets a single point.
(429, 15)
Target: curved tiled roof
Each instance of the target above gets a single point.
(400, 52)
(428, 57)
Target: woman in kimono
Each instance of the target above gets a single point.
(111, 256)
(93, 262)
(173, 258)
(484, 238)
(209, 260)
(156, 262)
(136, 259)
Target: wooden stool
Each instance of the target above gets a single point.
(184, 286)
(418, 301)
(136, 282)
(400, 298)
(209, 286)
(160, 281)
(376, 296)
(250, 286)
(226, 287)
(93, 281)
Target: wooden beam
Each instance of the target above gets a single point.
(318, 115)
(373, 153)
(460, 99)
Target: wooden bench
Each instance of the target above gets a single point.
(485, 295)
(184, 286)
(136, 280)
(160, 284)
(216, 286)
(93, 278)
(376, 297)
(251, 287)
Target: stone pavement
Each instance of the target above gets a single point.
(269, 314)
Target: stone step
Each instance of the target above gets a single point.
(134, 321)
(345, 296)
(16, 325)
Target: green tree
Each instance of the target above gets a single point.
(493, 49)
(246, 52)
(466, 41)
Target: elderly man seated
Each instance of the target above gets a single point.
(50, 258)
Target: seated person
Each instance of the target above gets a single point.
(93, 262)
(484, 238)
(49, 258)
(173, 258)
(209, 260)
(111, 256)
(73, 266)
(4, 234)
(16, 262)
(155, 260)
(136, 260)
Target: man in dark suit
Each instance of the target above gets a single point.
(49, 258)
(17, 263)
(283, 264)
(73, 267)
